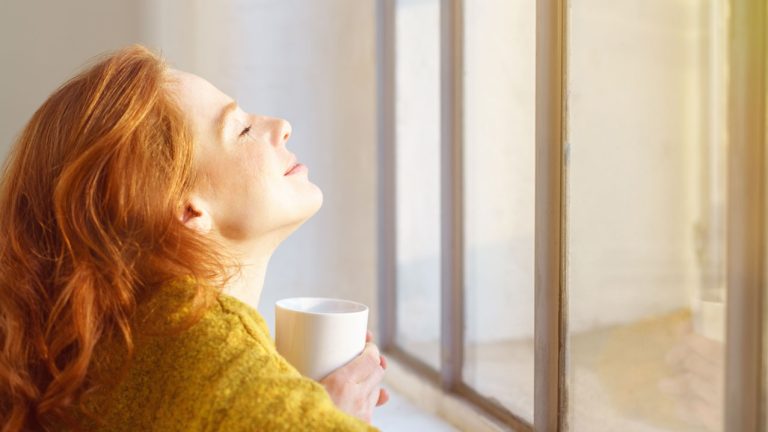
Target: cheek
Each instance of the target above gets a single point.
(261, 193)
(238, 190)
(257, 177)
(257, 160)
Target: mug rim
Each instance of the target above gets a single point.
(289, 305)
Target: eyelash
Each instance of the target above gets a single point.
(245, 131)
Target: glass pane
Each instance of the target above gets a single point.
(417, 78)
(646, 206)
(499, 159)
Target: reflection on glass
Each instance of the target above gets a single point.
(417, 108)
(499, 93)
(646, 203)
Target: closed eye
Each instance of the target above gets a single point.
(245, 131)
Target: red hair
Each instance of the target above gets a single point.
(89, 205)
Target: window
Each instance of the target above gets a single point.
(417, 156)
(482, 199)
(499, 91)
(646, 196)
(563, 188)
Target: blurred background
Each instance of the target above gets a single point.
(646, 151)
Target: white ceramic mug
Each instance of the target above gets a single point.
(319, 335)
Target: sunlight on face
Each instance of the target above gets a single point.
(251, 186)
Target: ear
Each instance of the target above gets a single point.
(194, 214)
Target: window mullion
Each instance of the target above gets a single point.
(451, 195)
(387, 199)
(549, 381)
(745, 251)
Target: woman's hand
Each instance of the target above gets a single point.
(356, 387)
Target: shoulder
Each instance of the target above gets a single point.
(228, 338)
(171, 319)
(222, 373)
(241, 314)
(184, 380)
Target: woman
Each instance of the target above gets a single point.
(134, 197)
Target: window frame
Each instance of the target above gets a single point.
(746, 251)
(745, 221)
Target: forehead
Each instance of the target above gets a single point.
(199, 99)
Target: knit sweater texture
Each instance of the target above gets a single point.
(221, 374)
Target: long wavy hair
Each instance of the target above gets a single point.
(89, 204)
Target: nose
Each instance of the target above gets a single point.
(283, 131)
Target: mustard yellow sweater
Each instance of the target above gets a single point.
(222, 374)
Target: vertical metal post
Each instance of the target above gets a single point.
(387, 229)
(549, 382)
(451, 193)
(745, 257)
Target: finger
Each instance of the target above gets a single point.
(383, 397)
(373, 351)
(383, 362)
(368, 336)
(365, 364)
(373, 380)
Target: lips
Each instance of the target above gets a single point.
(293, 163)
(292, 168)
(296, 168)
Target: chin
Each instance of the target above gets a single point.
(301, 210)
(309, 207)
(318, 201)
(311, 198)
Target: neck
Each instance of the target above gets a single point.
(247, 285)
(253, 257)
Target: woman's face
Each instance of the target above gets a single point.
(250, 187)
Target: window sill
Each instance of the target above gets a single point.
(428, 397)
(401, 415)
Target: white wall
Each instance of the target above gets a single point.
(307, 61)
(43, 43)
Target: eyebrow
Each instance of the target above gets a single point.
(225, 112)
